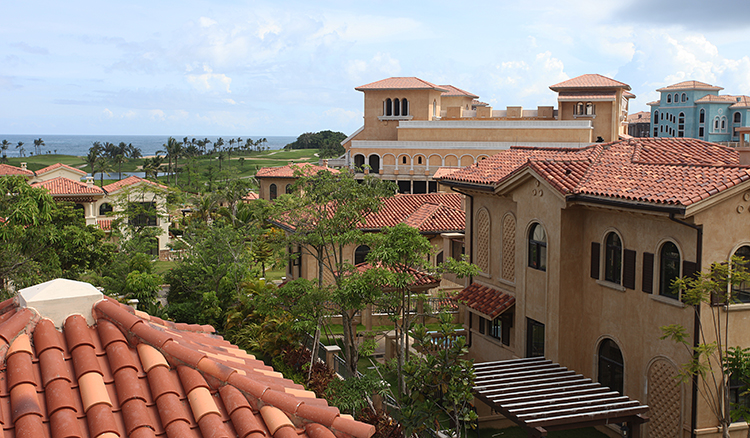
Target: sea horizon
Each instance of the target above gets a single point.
(78, 145)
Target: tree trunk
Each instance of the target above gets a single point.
(314, 350)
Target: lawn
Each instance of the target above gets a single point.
(37, 162)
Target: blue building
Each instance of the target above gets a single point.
(695, 109)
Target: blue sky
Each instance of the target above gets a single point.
(267, 68)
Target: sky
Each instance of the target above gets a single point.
(266, 68)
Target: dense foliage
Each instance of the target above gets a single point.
(329, 143)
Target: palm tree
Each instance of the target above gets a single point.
(133, 152)
(218, 143)
(22, 151)
(152, 165)
(4, 147)
(38, 143)
(206, 142)
(94, 152)
(172, 148)
(102, 165)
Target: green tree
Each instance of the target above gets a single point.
(38, 144)
(22, 151)
(707, 295)
(102, 165)
(173, 150)
(95, 151)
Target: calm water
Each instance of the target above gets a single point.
(79, 144)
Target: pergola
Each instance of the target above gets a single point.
(542, 396)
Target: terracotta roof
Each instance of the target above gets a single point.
(420, 279)
(428, 212)
(742, 102)
(400, 83)
(628, 94)
(455, 91)
(7, 169)
(639, 117)
(291, 169)
(655, 102)
(590, 81)
(139, 376)
(690, 85)
(736, 101)
(485, 299)
(104, 224)
(64, 186)
(129, 181)
(658, 170)
(479, 103)
(251, 196)
(58, 166)
(444, 171)
(586, 95)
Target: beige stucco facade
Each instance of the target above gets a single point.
(580, 312)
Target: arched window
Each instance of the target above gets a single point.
(579, 108)
(79, 207)
(403, 159)
(741, 292)
(404, 107)
(359, 163)
(434, 109)
(374, 163)
(288, 189)
(681, 125)
(105, 208)
(669, 98)
(388, 107)
(737, 117)
(669, 269)
(537, 247)
(723, 124)
(676, 98)
(419, 160)
(611, 365)
(702, 116)
(589, 109)
(613, 258)
(656, 117)
(360, 254)
(272, 192)
(716, 124)
(396, 107)
(684, 97)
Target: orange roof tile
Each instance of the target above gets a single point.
(443, 171)
(129, 181)
(291, 170)
(455, 91)
(742, 102)
(657, 170)
(400, 83)
(428, 212)
(60, 165)
(590, 81)
(136, 375)
(639, 117)
(420, 279)
(104, 224)
(7, 169)
(485, 299)
(251, 196)
(64, 186)
(690, 85)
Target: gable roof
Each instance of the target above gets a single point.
(671, 171)
(428, 212)
(65, 186)
(59, 166)
(400, 83)
(485, 299)
(589, 81)
(7, 169)
(455, 91)
(129, 181)
(134, 375)
(291, 169)
(690, 85)
(420, 279)
(639, 117)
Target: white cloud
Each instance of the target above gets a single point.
(209, 80)
(528, 80)
(206, 22)
(229, 101)
(380, 66)
(157, 114)
(107, 113)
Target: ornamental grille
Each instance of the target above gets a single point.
(664, 400)
(509, 248)
(483, 241)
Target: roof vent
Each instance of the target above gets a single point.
(89, 181)
(57, 299)
(23, 166)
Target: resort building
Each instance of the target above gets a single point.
(697, 110)
(577, 249)
(413, 127)
(639, 124)
(275, 181)
(76, 363)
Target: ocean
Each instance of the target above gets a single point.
(79, 145)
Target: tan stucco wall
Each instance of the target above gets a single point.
(265, 186)
(582, 135)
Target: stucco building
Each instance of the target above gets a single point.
(696, 109)
(577, 248)
(413, 127)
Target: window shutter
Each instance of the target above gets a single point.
(648, 273)
(689, 269)
(595, 260)
(628, 271)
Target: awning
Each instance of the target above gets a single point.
(542, 396)
(486, 300)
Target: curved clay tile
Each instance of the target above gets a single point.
(191, 378)
(161, 381)
(180, 429)
(150, 357)
(93, 390)
(46, 336)
(275, 419)
(201, 403)
(18, 323)
(100, 420)
(315, 430)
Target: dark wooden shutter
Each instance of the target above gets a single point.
(648, 273)
(628, 269)
(689, 269)
(595, 260)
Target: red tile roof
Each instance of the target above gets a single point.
(7, 169)
(586, 95)
(420, 279)
(485, 299)
(291, 170)
(428, 212)
(690, 85)
(139, 376)
(590, 81)
(455, 91)
(400, 83)
(639, 117)
(129, 181)
(251, 196)
(64, 186)
(742, 102)
(104, 224)
(443, 171)
(657, 170)
(60, 165)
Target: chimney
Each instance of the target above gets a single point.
(23, 166)
(89, 181)
(325, 162)
(744, 155)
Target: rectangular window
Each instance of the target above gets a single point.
(481, 325)
(143, 214)
(648, 273)
(595, 251)
(534, 338)
(701, 132)
(457, 249)
(500, 328)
